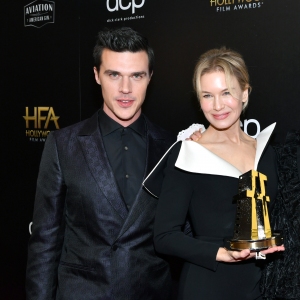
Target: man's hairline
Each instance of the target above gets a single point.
(105, 48)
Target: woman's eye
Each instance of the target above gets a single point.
(206, 96)
(226, 93)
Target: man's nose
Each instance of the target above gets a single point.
(125, 85)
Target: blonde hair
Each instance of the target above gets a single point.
(225, 60)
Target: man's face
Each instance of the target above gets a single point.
(124, 77)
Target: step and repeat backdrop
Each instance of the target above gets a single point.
(47, 81)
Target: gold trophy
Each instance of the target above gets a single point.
(252, 228)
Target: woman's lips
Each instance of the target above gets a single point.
(221, 116)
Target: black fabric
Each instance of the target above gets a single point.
(85, 243)
(207, 200)
(126, 151)
(281, 277)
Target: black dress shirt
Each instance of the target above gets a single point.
(126, 151)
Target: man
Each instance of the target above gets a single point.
(92, 224)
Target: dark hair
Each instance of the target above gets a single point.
(121, 40)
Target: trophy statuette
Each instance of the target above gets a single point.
(252, 228)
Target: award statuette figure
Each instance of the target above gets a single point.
(252, 225)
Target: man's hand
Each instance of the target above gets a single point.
(194, 129)
(196, 136)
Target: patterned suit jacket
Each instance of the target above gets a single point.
(85, 244)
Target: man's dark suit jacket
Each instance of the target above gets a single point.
(85, 244)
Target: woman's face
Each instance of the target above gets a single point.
(221, 107)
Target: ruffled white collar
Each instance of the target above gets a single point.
(197, 159)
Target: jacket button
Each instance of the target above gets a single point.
(114, 247)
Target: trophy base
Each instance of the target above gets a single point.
(255, 245)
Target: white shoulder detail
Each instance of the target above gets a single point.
(195, 158)
(261, 142)
(186, 133)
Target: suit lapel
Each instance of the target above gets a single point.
(93, 149)
(156, 147)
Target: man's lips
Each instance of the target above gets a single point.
(220, 116)
(125, 102)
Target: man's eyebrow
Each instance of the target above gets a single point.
(139, 73)
(111, 71)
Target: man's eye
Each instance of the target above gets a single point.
(137, 76)
(114, 75)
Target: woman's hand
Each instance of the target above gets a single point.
(226, 255)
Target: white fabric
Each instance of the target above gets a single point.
(262, 140)
(186, 133)
(195, 158)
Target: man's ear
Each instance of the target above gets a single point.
(150, 76)
(97, 76)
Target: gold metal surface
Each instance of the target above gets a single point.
(257, 245)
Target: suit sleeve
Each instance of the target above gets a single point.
(171, 215)
(46, 241)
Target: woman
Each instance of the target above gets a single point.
(200, 180)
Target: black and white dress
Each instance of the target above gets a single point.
(200, 186)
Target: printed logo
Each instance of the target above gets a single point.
(245, 127)
(39, 13)
(38, 123)
(119, 5)
(235, 5)
(29, 228)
